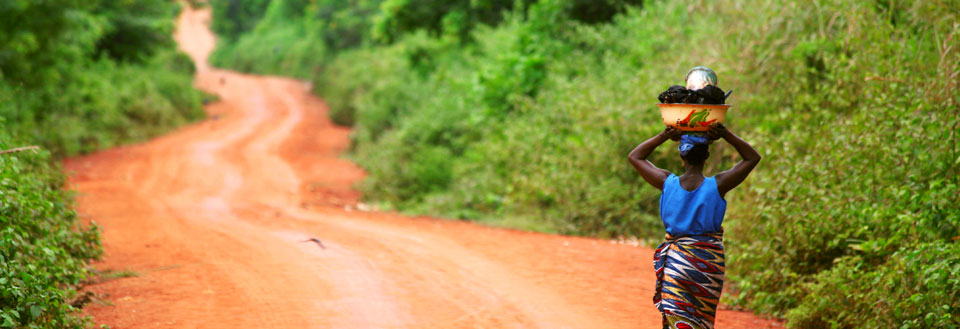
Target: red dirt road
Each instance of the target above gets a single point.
(212, 217)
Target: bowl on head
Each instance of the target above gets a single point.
(692, 117)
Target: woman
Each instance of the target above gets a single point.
(690, 264)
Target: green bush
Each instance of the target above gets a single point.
(104, 105)
(94, 74)
(343, 24)
(454, 18)
(289, 36)
(42, 247)
(458, 18)
(38, 51)
(132, 31)
(913, 288)
(272, 51)
(232, 18)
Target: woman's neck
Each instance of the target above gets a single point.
(692, 170)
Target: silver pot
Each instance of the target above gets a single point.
(701, 76)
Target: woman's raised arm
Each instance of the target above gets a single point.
(729, 179)
(638, 157)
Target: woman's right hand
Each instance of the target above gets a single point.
(672, 133)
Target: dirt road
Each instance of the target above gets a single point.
(211, 218)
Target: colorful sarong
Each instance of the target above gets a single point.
(689, 280)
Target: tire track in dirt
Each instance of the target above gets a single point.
(213, 216)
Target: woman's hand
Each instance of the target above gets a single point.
(716, 131)
(672, 133)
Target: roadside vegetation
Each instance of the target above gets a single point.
(75, 76)
(521, 113)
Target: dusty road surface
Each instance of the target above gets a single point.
(211, 218)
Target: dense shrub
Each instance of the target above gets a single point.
(104, 105)
(94, 74)
(913, 288)
(42, 248)
(37, 51)
(284, 42)
(454, 18)
(344, 24)
(527, 120)
(132, 31)
(231, 18)
(458, 18)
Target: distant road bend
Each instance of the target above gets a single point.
(213, 217)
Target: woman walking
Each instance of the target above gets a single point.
(690, 264)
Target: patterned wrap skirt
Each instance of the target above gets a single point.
(689, 280)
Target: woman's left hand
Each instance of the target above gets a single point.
(716, 131)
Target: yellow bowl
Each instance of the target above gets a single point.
(692, 117)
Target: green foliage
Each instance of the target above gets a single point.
(344, 24)
(282, 43)
(914, 288)
(458, 18)
(93, 75)
(106, 104)
(454, 18)
(602, 11)
(292, 35)
(231, 18)
(42, 248)
(366, 68)
(34, 50)
(132, 31)
(526, 119)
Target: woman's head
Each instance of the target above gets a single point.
(694, 148)
(697, 155)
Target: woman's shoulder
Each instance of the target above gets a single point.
(671, 181)
(671, 178)
(711, 179)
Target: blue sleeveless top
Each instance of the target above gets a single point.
(691, 212)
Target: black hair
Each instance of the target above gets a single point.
(697, 155)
